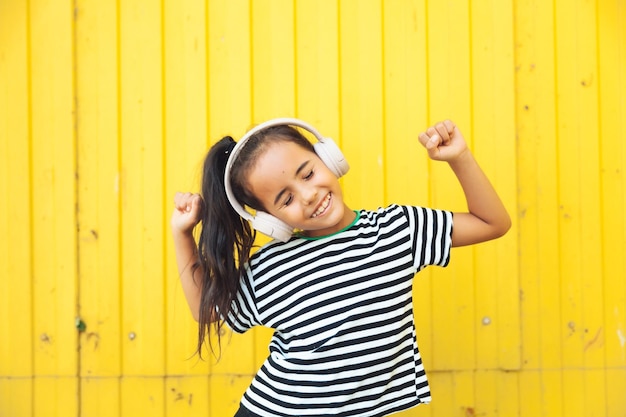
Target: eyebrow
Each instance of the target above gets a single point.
(298, 171)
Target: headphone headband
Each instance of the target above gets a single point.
(263, 222)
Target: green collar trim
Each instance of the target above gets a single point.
(301, 236)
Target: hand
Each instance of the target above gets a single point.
(443, 141)
(187, 213)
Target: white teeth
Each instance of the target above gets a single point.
(322, 207)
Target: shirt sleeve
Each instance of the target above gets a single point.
(243, 314)
(431, 231)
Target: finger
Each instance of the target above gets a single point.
(178, 199)
(423, 138)
(450, 126)
(182, 200)
(442, 131)
(195, 204)
(428, 140)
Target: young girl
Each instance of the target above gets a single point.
(335, 283)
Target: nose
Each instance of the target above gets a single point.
(308, 195)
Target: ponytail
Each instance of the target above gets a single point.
(226, 239)
(224, 245)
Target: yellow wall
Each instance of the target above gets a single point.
(106, 109)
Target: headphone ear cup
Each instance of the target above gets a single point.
(331, 155)
(272, 226)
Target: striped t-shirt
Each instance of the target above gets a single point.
(341, 306)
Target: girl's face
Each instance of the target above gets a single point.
(294, 185)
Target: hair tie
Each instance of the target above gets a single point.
(230, 148)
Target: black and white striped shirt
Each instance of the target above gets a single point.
(341, 306)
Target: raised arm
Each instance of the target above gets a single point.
(187, 211)
(487, 217)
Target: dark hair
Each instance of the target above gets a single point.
(226, 239)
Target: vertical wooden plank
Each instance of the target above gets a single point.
(188, 396)
(615, 383)
(226, 392)
(493, 117)
(100, 396)
(273, 59)
(405, 100)
(53, 174)
(612, 55)
(142, 396)
(596, 396)
(98, 200)
(464, 392)
(55, 396)
(229, 69)
(531, 405)
(361, 101)
(508, 398)
(578, 171)
(538, 187)
(317, 65)
(97, 88)
(405, 115)
(185, 144)
(541, 393)
(449, 97)
(441, 389)
(573, 392)
(16, 395)
(142, 213)
(486, 403)
(16, 314)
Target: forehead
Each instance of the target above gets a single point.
(276, 166)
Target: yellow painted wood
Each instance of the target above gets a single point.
(317, 64)
(187, 396)
(496, 281)
(16, 396)
(98, 194)
(613, 165)
(405, 103)
(273, 55)
(442, 391)
(540, 393)
(100, 396)
(615, 399)
(142, 396)
(16, 314)
(360, 50)
(55, 396)
(449, 96)
(142, 199)
(229, 69)
(53, 190)
(538, 203)
(107, 109)
(225, 393)
(185, 83)
(578, 178)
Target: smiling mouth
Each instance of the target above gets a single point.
(322, 207)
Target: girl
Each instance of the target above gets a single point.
(335, 283)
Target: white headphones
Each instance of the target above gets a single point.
(265, 223)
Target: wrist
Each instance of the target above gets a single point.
(182, 233)
(462, 159)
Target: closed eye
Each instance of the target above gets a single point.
(288, 200)
(309, 175)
